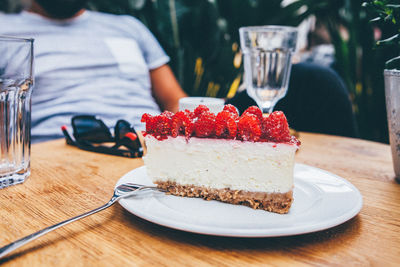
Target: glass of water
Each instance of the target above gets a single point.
(267, 52)
(16, 80)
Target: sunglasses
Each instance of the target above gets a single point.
(90, 133)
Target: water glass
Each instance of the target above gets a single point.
(16, 81)
(267, 52)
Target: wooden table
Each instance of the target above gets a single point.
(66, 181)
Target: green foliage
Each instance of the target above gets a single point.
(387, 14)
(10, 6)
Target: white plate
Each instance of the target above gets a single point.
(321, 200)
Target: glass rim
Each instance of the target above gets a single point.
(391, 72)
(269, 28)
(9, 38)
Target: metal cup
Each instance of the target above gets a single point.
(16, 81)
(392, 92)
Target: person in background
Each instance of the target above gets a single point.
(89, 62)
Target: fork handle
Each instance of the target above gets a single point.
(20, 242)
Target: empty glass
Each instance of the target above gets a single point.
(16, 80)
(267, 52)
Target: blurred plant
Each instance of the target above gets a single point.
(10, 6)
(388, 14)
(358, 63)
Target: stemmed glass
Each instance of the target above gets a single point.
(267, 52)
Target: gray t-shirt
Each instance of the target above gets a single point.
(95, 64)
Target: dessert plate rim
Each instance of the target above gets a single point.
(165, 214)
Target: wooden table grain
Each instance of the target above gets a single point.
(66, 181)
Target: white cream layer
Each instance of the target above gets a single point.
(220, 163)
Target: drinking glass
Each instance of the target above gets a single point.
(267, 53)
(16, 81)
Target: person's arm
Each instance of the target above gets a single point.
(166, 89)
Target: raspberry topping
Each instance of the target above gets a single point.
(231, 109)
(249, 127)
(225, 124)
(275, 127)
(200, 109)
(295, 141)
(190, 114)
(168, 114)
(159, 126)
(162, 126)
(181, 124)
(205, 124)
(254, 110)
(148, 119)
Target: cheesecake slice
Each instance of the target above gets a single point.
(246, 160)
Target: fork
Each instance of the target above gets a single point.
(121, 191)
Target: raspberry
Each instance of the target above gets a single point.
(295, 141)
(225, 125)
(200, 109)
(275, 127)
(168, 114)
(181, 124)
(145, 117)
(190, 114)
(254, 110)
(249, 128)
(159, 126)
(148, 119)
(231, 109)
(162, 126)
(205, 125)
